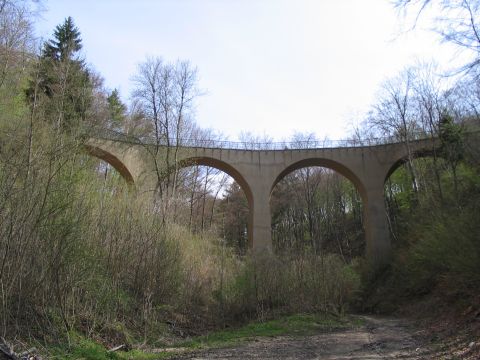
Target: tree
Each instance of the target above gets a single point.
(255, 142)
(464, 98)
(66, 42)
(317, 210)
(234, 212)
(430, 101)
(309, 179)
(452, 147)
(394, 114)
(456, 21)
(61, 83)
(16, 41)
(116, 108)
(166, 93)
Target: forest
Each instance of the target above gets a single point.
(86, 257)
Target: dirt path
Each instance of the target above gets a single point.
(380, 338)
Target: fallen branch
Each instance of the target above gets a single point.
(29, 355)
(7, 350)
(124, 347)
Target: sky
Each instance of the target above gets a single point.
(269, 67)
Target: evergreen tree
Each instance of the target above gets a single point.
(452, 146)
(66, 42)
(61, 82)
(451, 137)
(116, 108)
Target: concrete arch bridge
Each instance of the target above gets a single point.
(366, 164)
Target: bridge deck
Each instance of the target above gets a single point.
(313, 144)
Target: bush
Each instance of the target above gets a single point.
(304, 283)
(446, 251)
(438, 243)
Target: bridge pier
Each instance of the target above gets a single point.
(377, 235)
(260, 220)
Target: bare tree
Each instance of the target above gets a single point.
(17, 41)
(166, 93)
(255, 142)
(430, 101)
(463, 99)
(309, 181)
(394, 114)
(456, 21)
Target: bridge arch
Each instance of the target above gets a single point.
(258, 171)
(326, 163)
(370, 223)
(223, 166)
(235, 174)
(422, 149)
(112, 160)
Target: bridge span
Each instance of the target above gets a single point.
(258, 171)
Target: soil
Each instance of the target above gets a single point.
(379, 338)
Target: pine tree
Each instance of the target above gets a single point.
(61, 82)
(66, 42)
(116, 109)
(452, 146)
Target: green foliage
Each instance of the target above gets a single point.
(60, 90)
(446, 252)
(66, 42)
(451, 137)
(436, 235)
(87, 262)
(116, 107)
(293, 325)
(271, 284)
(82, 348)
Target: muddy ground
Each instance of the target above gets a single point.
(379, 338)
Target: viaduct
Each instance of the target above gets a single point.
(367, 166)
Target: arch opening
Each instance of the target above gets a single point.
(222, 166)
(316, 208)
(218, 200)
(433, 153)
(409, 185)
(112, 160)
(324, 163)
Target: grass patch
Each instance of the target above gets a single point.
(82, 348)
(85, 349)
(294, 325)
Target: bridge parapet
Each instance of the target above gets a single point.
(113, 135)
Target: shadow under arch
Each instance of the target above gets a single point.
(326, 163)
(112, 160)
(235, 174)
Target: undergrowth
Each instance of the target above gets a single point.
(437, 252)
(293, 325)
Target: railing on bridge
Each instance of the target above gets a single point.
(108, 134)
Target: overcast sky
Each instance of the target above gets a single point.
(267, 66)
